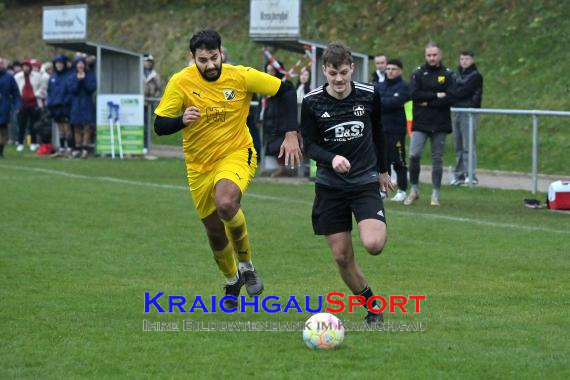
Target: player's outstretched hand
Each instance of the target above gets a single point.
(340, 164)
(386, 183)
(291, 150)
(191, 114)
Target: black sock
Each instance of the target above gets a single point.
(1, 150)
(367, 294)
(62, 143)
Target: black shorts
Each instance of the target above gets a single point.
(60, 114)
(333, 208)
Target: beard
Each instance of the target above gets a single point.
(213, 74)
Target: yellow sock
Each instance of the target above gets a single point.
(226, 261)
(237, 229)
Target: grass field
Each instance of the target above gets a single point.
(82, 241)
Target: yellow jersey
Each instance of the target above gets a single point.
(224, 106)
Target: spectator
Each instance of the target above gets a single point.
(81, 85)
(91, 62)
(394, 92)
(13, 127)
(58, 103)
(380, 74)
(9, 99)
(152, 84)
(252, 122)
(226, 56)
(16, 67)
(36, 64)
(469, 92)
(152, 89)
(29, 84)
(44, 124)
(45, 71)
(304, 85)
(274, 124)
(430, 90)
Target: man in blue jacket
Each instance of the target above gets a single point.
(394, 92)
(9, 99)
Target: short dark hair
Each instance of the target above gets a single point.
(205, 39)
(395, 61)
(468, 52)
(337, 54)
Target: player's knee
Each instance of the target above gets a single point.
(226, 207)
(374, 245)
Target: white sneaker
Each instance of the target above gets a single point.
(20, 148)
(474, 182)
(399, 197)
(456, 181)
(34, 147)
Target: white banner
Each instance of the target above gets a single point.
(68, 22)
(275, 18)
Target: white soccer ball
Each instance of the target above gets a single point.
(323, 331)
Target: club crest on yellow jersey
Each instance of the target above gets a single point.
(229, 94)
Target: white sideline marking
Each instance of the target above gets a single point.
(282, 199)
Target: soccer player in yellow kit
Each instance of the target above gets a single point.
(209, 101)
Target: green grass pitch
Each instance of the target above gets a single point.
(81, 241)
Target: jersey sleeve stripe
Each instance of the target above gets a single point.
(363, 87)
(314, 92)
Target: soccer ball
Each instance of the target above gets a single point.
(323, 331)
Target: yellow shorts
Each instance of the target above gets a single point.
(239, 167)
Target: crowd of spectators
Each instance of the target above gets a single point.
(36, 95)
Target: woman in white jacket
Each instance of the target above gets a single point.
(29, 83)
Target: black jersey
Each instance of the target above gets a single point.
(350, 127)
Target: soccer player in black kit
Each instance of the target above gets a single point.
(342, 132)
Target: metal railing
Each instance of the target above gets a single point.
(497, 111)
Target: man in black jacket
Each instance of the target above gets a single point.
(430, 89)
(469, 92)
(394, 92)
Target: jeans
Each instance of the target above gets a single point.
(461, 137)
(437, 148)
